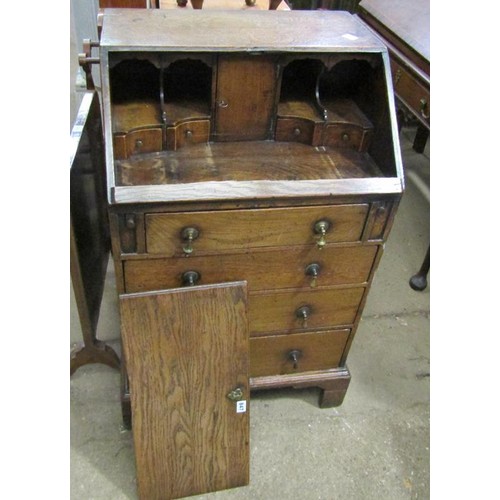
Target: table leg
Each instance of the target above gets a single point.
(420, 139)
(419, 281)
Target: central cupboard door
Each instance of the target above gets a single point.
(186, 352)
(245, 97)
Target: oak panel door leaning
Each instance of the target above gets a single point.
(186, 349)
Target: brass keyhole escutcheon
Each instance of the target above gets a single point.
(321, 228)
(294, 356)
(313, 270)
(235, 394)
(189, 234)
(303, 313)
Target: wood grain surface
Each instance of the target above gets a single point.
(221, 30)
(318, 351)
(236, 229)
(277, 312)
(185, 350)
(244, 161)
(246, 89)
(263, 270)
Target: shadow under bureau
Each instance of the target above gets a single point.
(252, 159)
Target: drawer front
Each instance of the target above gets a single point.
(144, 141)
(299, 352)
(137, 141)
(237, 229)
(347, 136)
(295, 130)
(296, 310)
(263, 270)
(191, 132)
(413, 93)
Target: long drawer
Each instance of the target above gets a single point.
(411, 91)
(298, 309)
(263, 270)
(211, 232)
(299, 352)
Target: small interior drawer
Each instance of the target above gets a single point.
(297, 310)
(263, 270)
(137, 141)
(299, 352)
(347, 136)
(217, 231)
(295, 130)
(189, 132)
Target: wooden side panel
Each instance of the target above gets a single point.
(185, 350)
(245, 98)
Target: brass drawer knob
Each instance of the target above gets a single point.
(190, 278)
(189, 234)
(139, 144)
(294, 357)
(424, 109)
(321, 228)
(296, 132)
(303, 313)
(313, 270)
(397, 76)
(345, 137)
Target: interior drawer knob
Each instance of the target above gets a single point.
(321, 228)
(190, 278)
(294, 357)
(189, 234)
(303, 313)
(313, 271)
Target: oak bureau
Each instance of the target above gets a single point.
(254, 156)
